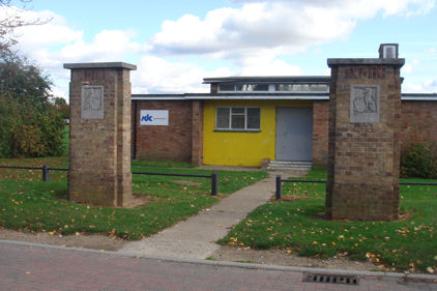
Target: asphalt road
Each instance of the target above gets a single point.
(25, 266)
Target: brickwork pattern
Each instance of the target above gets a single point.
(363, 165)
(418, 125)
(172, 142)
(320, 132)
(100, 148)
(197, 138)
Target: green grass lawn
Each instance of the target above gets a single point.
(27, 203)
(296, 223)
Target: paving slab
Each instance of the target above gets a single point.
(195, 237)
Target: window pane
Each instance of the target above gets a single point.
(239, 87)
(302, 87)
(252, 87)
(227, 87)
(261, 87)
(319, 88)
(283, 87)
(237, 110)
(223, 117)
(253, 118)
(237, 121)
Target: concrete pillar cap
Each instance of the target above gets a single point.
(100, 65)
(369, 61)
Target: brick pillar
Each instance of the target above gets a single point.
(197, 134)
(364, 139)
(100, 133)
(320, 132)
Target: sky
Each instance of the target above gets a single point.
(175, 44)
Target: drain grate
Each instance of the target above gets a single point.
(331, 278)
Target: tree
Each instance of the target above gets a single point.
(9, 23)
(29, 124)
(62, 107)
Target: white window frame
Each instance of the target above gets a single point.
(245, 114)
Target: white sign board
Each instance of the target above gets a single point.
(154, 117)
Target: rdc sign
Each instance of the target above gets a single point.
(154, 117)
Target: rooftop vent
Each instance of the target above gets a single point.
(389, 51)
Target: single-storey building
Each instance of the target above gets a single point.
(249, 121)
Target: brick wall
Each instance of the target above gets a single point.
(320, 132)
(418, 125)
(172, 142)
(419, 122)
(183, 139)
(197, 135)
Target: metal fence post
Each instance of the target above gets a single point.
(214, 184)
(45, 173)
(278, 188)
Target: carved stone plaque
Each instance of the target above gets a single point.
(92, 102)
(364, 104)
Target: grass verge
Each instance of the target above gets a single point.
(27, 203)
(296, 223)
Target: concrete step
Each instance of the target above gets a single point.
(289, 165)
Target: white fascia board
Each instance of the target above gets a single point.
(248, 97)
(215, 97)
(419, 99)
(158, 98)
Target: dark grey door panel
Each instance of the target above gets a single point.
(294, 132)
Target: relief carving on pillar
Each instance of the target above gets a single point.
(364, 104)
(92, 102)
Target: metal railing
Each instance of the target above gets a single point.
(213, 177)
(45, 170)
(279, 181)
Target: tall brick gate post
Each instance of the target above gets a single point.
(100, 137)
(364, 139)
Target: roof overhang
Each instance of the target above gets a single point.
(314, 97)
(173, 97)
(269, 79)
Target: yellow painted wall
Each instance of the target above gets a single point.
(242, 148)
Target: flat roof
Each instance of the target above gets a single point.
(265, 96)
(419, 96)
(268, 79)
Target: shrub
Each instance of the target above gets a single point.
(30, 125)
(419, 161)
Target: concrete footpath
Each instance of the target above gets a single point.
(195, 237)
(28, 266)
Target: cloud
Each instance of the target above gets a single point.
(285, 25)
(387, 7)
(106, 45)
(263, 64)
(428, 86)
(55, 41)
(158, 75)
(250, 39)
